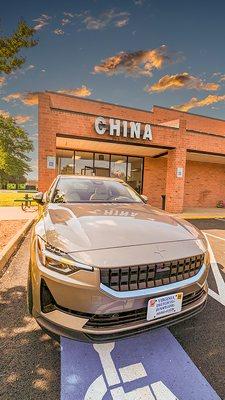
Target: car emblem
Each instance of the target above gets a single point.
(160, 252)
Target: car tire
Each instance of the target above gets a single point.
(29, 293)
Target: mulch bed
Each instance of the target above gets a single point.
(8, 229)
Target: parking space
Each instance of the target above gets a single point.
(185, 362)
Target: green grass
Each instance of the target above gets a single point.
(7, 198)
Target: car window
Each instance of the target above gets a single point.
(74, 190)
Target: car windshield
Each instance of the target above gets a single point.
(78, 190)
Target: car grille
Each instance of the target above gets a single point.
(109, 320)
(151, 275)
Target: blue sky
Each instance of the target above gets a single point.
(132, 52)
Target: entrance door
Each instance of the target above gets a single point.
(102, 164)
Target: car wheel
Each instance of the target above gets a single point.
(29, 293)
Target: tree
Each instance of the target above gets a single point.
(11, 45)
(15, 144)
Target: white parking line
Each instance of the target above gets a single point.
(220, 296)
(210, 234)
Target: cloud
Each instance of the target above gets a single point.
(42, 21)
(194, 102)
(141, 62)
(122, 22)
(2, 80)
(4, 113)
(68, 14)
(12, 96)
(179, 81)
(58, 31)
(83, 91)
(31, 66)
(139, 2)
(107, 18)
(65, 21)
(22, 119)
(29, 99)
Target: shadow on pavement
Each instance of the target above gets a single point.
(30, 364)
(206, 224)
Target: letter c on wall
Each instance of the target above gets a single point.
(100, 125)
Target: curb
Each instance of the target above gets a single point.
(199, 216)
(13, 244)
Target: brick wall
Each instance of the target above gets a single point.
(154, 184)
(204, 182)
(195, 122)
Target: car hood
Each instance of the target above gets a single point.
(95, 226)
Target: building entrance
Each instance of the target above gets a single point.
(128, 168)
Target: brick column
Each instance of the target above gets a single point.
(46, 142)
(176, 163)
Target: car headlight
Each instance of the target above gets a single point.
(57, 260)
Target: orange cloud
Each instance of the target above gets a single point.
(2, 80)
(141, 62)
(4, 113)
(194, 102)
(83, 91)
(179, 81)
(29, 99)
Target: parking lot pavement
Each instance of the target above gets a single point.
(31, 361)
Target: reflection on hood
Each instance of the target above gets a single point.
(91, 226)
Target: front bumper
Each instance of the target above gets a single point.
(100, 336)
(80, 303)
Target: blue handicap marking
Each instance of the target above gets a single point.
(151, 366)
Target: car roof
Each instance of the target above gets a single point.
(90, 177)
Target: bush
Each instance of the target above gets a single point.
(221, 204)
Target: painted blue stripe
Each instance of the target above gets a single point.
(164, 361)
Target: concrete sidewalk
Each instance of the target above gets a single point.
(15, 213)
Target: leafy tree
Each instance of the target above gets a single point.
(11, 45)
(15, 145)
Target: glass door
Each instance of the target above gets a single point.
(102, 164)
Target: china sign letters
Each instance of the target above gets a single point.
(116, 127)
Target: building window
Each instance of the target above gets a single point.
(65, 162)
(84, 163)
(135, 172)
(118, 168)
(128, 168)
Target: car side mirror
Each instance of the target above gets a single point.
(38, 197)
(144, 198)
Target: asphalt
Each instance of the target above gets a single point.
(30, 360)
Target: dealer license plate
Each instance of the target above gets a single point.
(162, 306)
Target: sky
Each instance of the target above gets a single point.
(132, 52)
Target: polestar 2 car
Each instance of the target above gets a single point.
(104, 264)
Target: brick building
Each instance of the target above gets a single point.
(158, 152)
